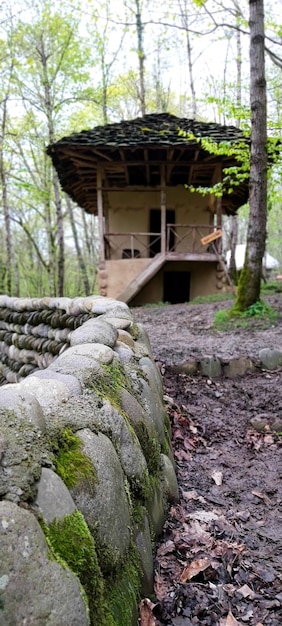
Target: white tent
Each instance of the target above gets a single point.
(269, 262)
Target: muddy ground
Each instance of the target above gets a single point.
(219, 560)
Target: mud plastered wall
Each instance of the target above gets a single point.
(86, 469)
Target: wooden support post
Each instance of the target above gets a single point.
(100, 216)
(219, 223)
(163, 211)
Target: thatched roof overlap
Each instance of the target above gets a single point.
(132, 153)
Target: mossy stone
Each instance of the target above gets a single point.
(122, 590)
(71, 540)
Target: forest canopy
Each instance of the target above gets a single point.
(68, 66)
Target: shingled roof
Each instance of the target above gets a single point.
(131, 153)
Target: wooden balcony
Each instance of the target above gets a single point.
(181, 242)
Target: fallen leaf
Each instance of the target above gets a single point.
(190, 495)
(189, 443)
(166, 548)
(194, 568)
(182, 455)
(262, 496)
(229, 621)
(160, 587)
(217, 477)
(246, 592)
(247, 616)
(204, 516)
(268, 440)
(146, 615)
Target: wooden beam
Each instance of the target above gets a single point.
(77, 157)
(171, 163)
(213, 205)
(147, 166)
(101, 154)
(163, 211)
(192, 167)
(191, 256)
(100, 216)
(125, 166)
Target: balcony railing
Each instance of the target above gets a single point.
(180, 238)
(187, 238)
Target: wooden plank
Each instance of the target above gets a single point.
(215, 235)
(192, 256)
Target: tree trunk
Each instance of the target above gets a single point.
(184, 18)
(49, 110)
(80, 258)
(250, 279)
(233, 243)
(6, 211)
(141, 58)
(60, 239)
(234, 218)
(104, 88)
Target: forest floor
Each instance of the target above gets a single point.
(219, 559)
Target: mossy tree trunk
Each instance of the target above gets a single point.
(250, 279)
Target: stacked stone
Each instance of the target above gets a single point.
(34, 332)
(104, 393)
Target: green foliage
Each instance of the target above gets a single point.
(271, 287)
(259, 309)
(221, 319)
(239, 151)
(71, 464)
(259, 313)
(216, 297)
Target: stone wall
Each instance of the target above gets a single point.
(86, 468)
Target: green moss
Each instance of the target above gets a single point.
(134, 331)
(128, 494)
(70, 540)
(71, 464)
(139, 513)
(248, 291)
(150, 447)
(110, 383)
(110, 386)
(122, 590)
(166, 444)
(108, 557)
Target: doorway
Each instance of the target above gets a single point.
(155, 227)
(176, 287)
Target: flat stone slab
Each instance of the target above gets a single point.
(270, 359)
(53, 498)
(210, 366)
(238, 367)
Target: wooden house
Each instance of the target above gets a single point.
(158, 240)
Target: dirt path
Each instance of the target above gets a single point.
(219, 560)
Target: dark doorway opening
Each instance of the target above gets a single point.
(176, 287)
(155, 227)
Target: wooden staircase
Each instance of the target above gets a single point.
(142, 278)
